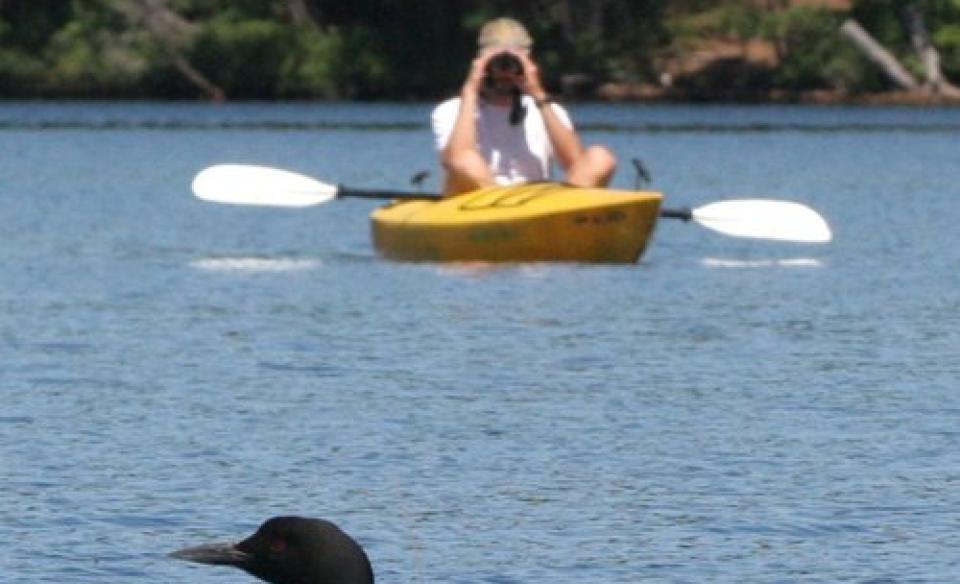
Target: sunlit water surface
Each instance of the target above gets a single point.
(725, 411)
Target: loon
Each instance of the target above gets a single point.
(291, 550)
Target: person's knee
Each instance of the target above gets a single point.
(466, 170)
(594, 168)
(601, 160)
(462, 162)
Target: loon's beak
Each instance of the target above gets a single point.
(219, 554)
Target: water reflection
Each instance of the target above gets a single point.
(762, 263)
(423, 126)
(255, 264)
(414, 117)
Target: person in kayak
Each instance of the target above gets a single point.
(504, 128)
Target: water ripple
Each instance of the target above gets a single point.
(414, 126)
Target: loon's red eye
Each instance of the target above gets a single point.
(277, 546)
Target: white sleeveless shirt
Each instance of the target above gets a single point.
(516, 154)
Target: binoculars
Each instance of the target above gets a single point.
(507, 63)
(504, 63)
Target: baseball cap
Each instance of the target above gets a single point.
(504, 33)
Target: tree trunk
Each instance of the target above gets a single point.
(920, 40)
(214, 92)
(881, 57)
(301, 14)
(173, 32)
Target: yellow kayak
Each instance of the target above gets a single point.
(520, 223)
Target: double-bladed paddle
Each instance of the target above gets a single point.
(242, 184)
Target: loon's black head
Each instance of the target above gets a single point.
(291, 550)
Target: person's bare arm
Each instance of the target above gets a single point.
(464, 133)
(567, 147)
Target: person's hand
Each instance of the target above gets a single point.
(478, 71)
(531, 84)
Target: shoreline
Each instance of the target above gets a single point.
(643, 93)
(612, 93)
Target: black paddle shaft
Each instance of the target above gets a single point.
(350, 193)
(682, 214)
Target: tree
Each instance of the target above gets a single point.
(301, 13)
(877, 54)
(916, 28)
(173, 33)
(913, 25)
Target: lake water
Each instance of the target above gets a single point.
(727, 410)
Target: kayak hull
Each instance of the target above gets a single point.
(520, 223)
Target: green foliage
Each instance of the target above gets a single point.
(946, 37)
(736, 20)
(815, 56)
(742, 20)
(739, 19)
(332, 65)
(20, 73)
(31, 23)
(311, 68)
(89, 55)
(947, 40)
(227, 9)
(942, 18)
(812, 54)
(244, 56)
(882, 19)
(400, 48)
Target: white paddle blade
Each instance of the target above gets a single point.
(242, 184)
(764, 219)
